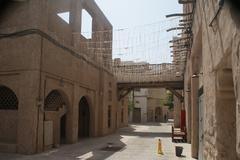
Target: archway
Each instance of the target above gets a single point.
(83, 118)
(55, 108)
(9, 114)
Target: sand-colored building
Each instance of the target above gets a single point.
(54, 88)
(212, 80)
(156, 110)
(138, 105)
(149, 106)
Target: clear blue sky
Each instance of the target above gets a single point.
(139, 28)
(132, 13)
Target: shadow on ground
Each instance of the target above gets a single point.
(87, 149)
(93, 148)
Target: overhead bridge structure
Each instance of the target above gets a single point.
(131, 76)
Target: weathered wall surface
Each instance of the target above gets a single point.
(109, 100)
(155, 100)
(140, 98)
(187, 101)
(8, 126)
(141, 102)
(219, 48)
(177, 111)
(34, 64)
(122, 113)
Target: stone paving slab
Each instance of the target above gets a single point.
(136, 142)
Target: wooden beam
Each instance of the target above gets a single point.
(179, 14)
(122, 94)
(178, 95)
(177, 28)
(178, 85)
(181, 50)
(185, 24)
(186, 1)
(180, 46)
(180, 39)
(185, 20)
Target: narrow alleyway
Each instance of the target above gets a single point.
(136, 142)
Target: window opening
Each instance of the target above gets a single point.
(86, 28)
(64, 16)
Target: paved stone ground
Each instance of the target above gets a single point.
(136, 142)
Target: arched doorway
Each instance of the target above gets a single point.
(83, 119)
(55, 108)
(9, 114)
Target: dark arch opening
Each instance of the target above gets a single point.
(8, 99)
(55, 101)
(83, 119)
(9, 115)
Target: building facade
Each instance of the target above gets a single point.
(139, 113)
(54, 88)
(212, 81)
(156, 110)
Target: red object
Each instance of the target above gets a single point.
(183, 120)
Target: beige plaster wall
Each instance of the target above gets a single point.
(177, 111)
(33, 65)
(219, 42)
(122, 107)
(8, 126)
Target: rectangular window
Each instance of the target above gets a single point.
(109, 116)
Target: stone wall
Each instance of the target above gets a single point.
(218, 47)
(8, 126)
(48, 59)
(122, 112)
(177, 111)
(155, 100)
